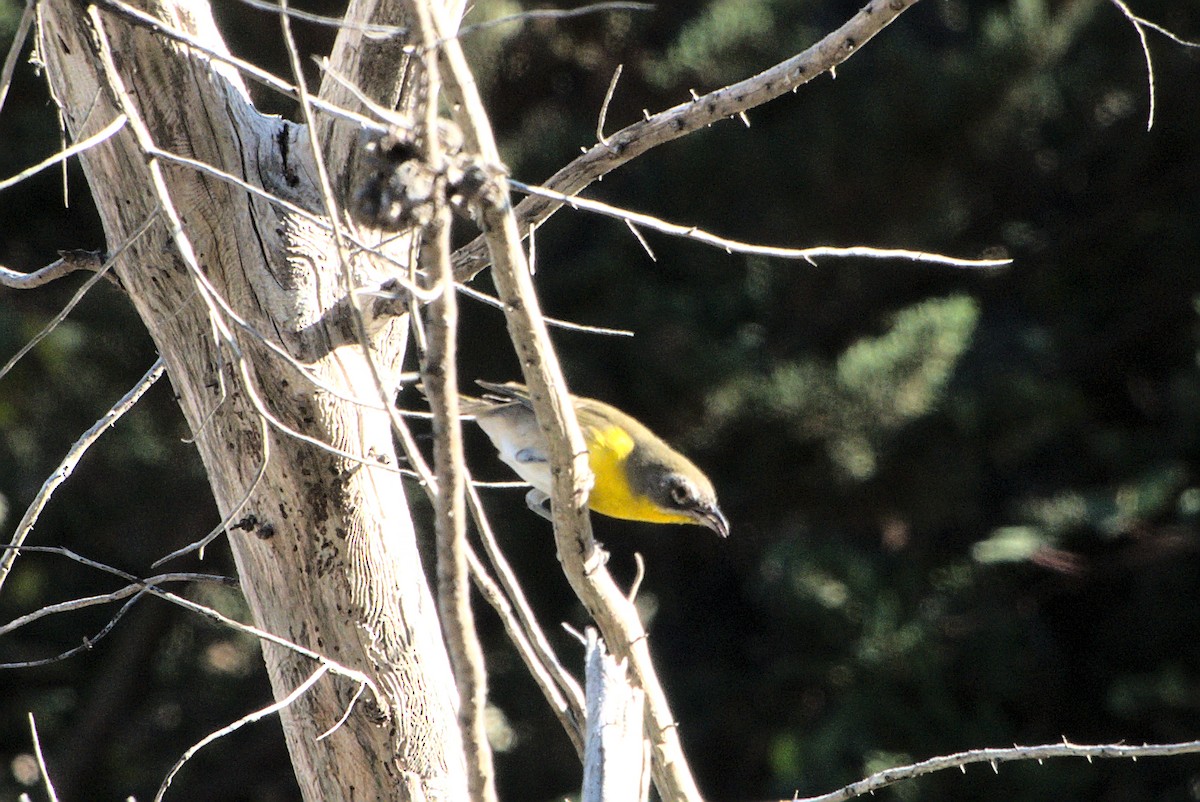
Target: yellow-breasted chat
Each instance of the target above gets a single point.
(638, 476)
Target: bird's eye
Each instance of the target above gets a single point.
(681, 492)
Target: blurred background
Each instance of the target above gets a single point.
(964, 503)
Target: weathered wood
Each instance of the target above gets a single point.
(616, 761)
(328, 558)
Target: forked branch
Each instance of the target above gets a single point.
(702, 110)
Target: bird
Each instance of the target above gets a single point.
(638, 477)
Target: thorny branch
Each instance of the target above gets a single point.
(657, 129)
(995, 757)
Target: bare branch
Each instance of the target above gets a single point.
(561, 689)
(637, 234)
(221, 527)
(14, 51)
(542, 677)
(74, 455)
(553, 322)
(41, 759)
(581, 557)
(137, 591)
(733, 246)
(1141, 34)
(252, 71)
(262, 713)
(374, 30)
(1140, 25)
(70, 262)
(995, 757)
(553, 13)
(88, 643)
(77, 260)
(61, 156)
(440, 376)
(211, 614)
(657, 129)
(105, 598)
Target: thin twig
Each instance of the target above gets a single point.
(733, 246)
(262, 713)
(566, 325)
(881, 779)
(14, 51)
(252, 71)
(608, 96)
(373, 30)
(639, 574)
(61, 315)
(440, 376)
(637, 234)
(1141, 34)
(77, 262)
(105, 598)
(570, 709)
(41, 760)
(224, 524)
(136, 591)
(542, 677)
(1140, 24)
(552, 13)
(261, 407)
(61, 156)
(211, 614)
(88, 643)
(358, 692)
(70, 262)
(68, 463)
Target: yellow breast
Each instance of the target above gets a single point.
(609, 448)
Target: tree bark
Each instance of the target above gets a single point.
(325, 548)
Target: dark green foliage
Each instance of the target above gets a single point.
(964, 504)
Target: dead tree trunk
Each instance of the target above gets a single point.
(245, 299)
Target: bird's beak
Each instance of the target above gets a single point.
(713, 518)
